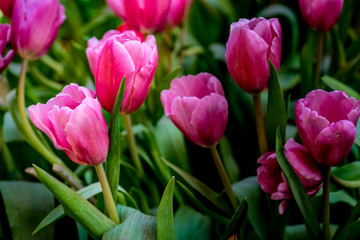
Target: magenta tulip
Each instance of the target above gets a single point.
(74, 122)
(178, 11)
(250, 46)
(126, 56)
(327, 124)
(321, 15)
(6, 7)
(4, 39)
(272, 180)
(198, 108)
(145, 16)
(34, 26)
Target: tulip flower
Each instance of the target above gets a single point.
(272, 180)
(74, 122)
(178, 11)
(145, 16)
(125, 56)
(321, 15)
(34, 26)
(6, 7)
(4, 39)
(327, 124)
(198, 108)
(250, 46)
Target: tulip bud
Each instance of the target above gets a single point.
(321, 15)
(198, 108)
(178, 11)
(4, 39)
(250, 46)
(145, 16)
(74, 122)
(126, 56)
(272, 180)
(34, 26)
(6, 7)
(326, 123)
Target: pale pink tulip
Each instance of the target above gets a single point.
(4, 39)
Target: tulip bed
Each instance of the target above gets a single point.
(179, 119)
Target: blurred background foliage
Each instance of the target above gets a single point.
(198, 45)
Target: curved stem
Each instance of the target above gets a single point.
(319, 51)
(223, 176)
(132, 145)
(109, 200)
(260, 124)
(326, 202)
(33, 140)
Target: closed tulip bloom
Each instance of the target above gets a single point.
(326, 123)
(34, 26)
(250, 46)
(321, 15)
(145, 16)
(198, 108)
(126, 56)
(6, 7)
(272, 180)
(178, 11)
(74, 122)
(4, 39)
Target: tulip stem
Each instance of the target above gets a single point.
(260, 124)
(132, 145)
(319, 51)
(223, 176)
(109, 200)
(326, 202)
(33, 140)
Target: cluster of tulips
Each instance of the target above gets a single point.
(196, 104)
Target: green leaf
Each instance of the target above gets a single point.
(230, 164)
(306, 63)
(238, 220)
(296, 232)
(276, 110)
(75, 206)
(350, 232)
(190, 224)
(342, 196)
(347, 175)
(165, 82)
(337, 85)
(25, 205)
(301, 197)
(114, 154)
(357, 137)
(165, 219)
(202, 188)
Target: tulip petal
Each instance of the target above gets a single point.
(269, 173)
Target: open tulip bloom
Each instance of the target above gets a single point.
(4, 39)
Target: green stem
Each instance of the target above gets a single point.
(132, 145)
(319, 51)
(326, 202)
(109, 200)
(32, 139)
(223, 176)
(260, 124)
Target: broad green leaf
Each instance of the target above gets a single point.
(357, 138)
(201, 187)
(301, 197)
(165, 218)
(350, 232)
(238, 220)
(25, 205)
(296, 232)
(342, 196)
(347, 175)
(75, 206)
(190, 224)
(137, 226)
(334, 84)
(276, 110)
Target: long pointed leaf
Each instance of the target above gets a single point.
(237, 220)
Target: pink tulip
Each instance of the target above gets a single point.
(4, 39)
(74, 122)
(178, 11)
(250, 46)
(34, 26)
(327, 124)
(6, 7)
(321, 15)
(272, 180)
(145, 16)
(198, 108)
(126, 56)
